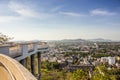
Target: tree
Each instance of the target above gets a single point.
(50, 65)
(4, 38)
(80, 75)
(102, 73)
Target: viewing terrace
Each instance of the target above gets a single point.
(13, 53)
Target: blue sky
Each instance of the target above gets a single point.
(60, 19)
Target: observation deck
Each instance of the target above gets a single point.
(12, 54)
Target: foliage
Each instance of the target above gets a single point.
(83, 54)
(50, 65)
(55, 75)
(4, 38)
(80, 75)
(99, 55)
(66, 54)
(113, 74)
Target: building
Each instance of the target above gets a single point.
(104, 59)
(111, 60)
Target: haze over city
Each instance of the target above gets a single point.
(60, 19)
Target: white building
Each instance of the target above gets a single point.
(96, 45)
(70, 60)
(111, 60)
(52, 59)
(86, 61)
(104, 59)
(44, 58)
(95, 63)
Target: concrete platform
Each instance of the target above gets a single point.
(10, 69)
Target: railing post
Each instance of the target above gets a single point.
(33, 64)
(35, 47)
(25, 49)
(39, 65)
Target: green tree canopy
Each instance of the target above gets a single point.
(112, 74)
(80, 75)
(4, 38)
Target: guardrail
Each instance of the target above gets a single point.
(22, 50)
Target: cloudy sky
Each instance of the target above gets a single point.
(60, 19)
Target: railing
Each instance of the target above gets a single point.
(10, 69)
(15, 50)
(30, 47)
(40, 47)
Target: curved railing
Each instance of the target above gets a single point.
(10, 69)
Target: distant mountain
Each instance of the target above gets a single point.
(100, 40)
(87, 40)
(73, 40)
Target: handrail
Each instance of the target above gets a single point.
(12, 68)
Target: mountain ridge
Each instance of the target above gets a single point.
(91, 40)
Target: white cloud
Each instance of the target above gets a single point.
(23, 13)
(102, 12)
(71, 14)
(8, 19)
(22, 10)
(27, 11)
(56, 8)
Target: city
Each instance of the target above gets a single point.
(72, 55)
(59, 39)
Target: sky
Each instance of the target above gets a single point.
(60, 19)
